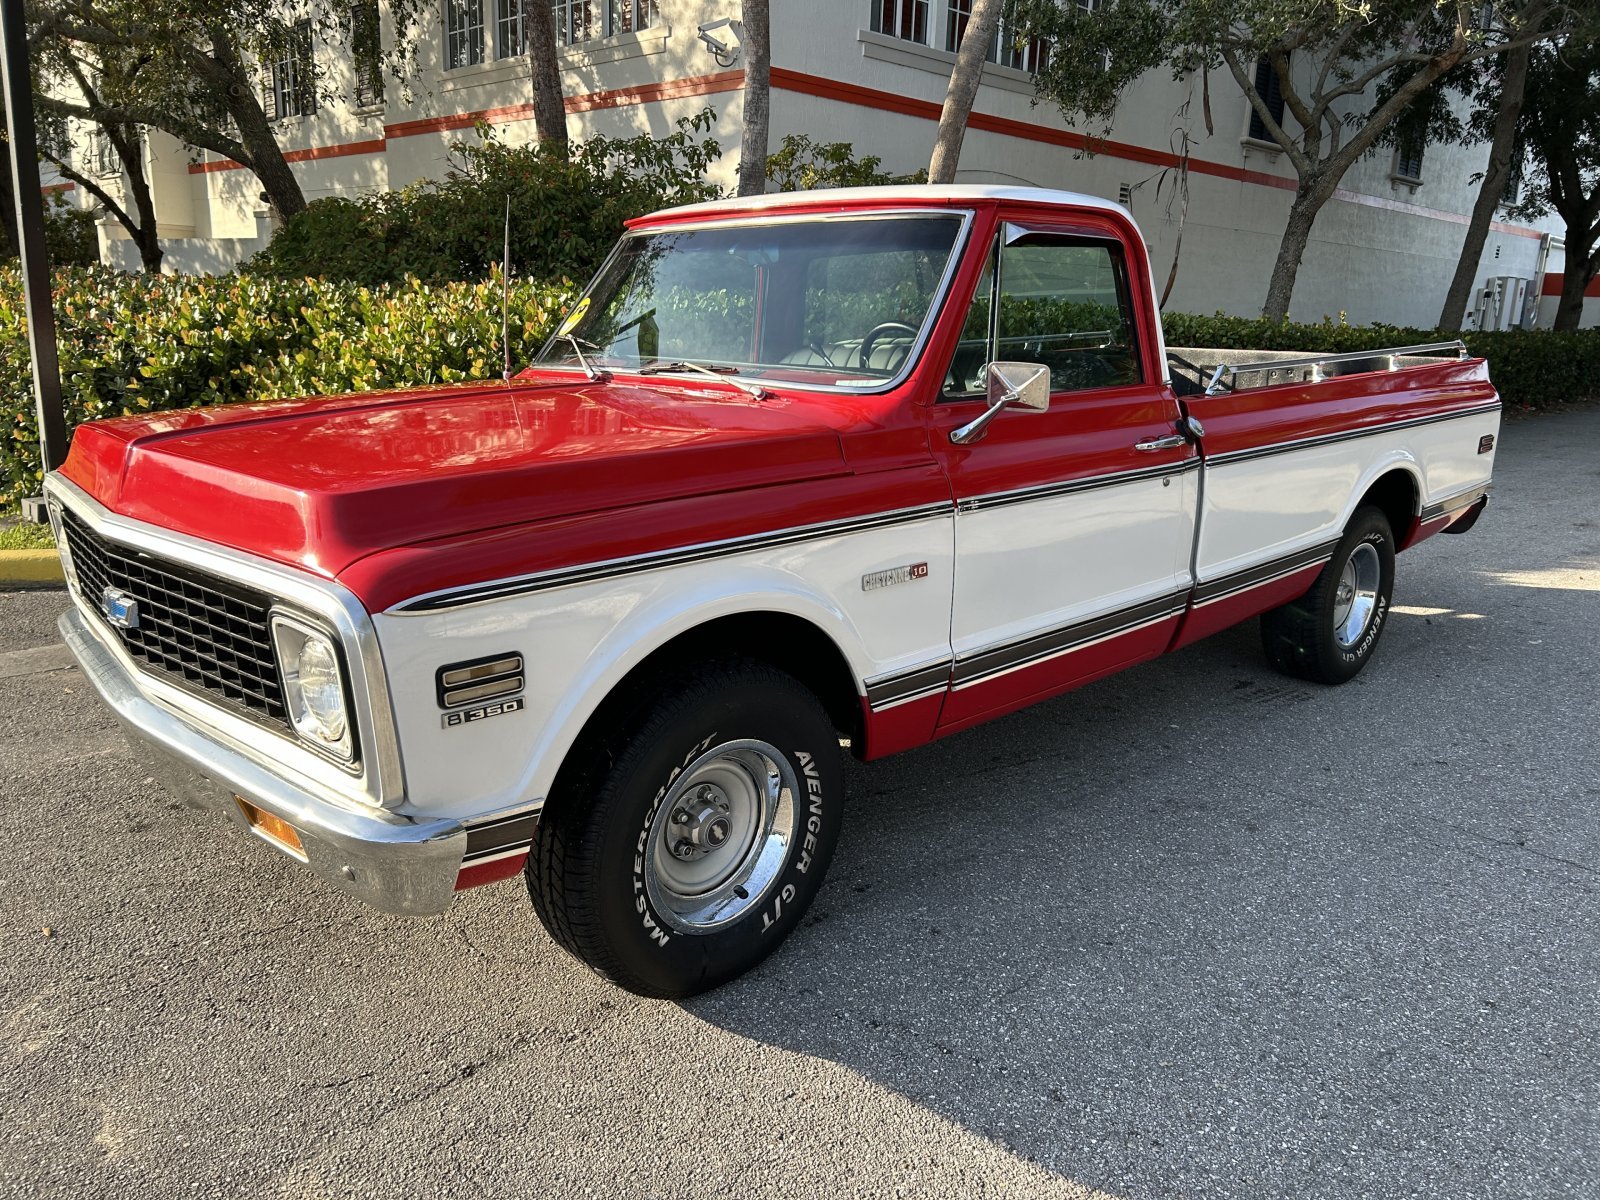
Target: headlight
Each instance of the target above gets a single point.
(313, 686)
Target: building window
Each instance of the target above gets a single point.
(366, 53)
(1270, 90)
(1021, 53)
(510, 28)
(908, 21)
(1512, 194)
(463, 33)
(630, 16)
(584, 20)
(1408, 161)
(903, 19)
(294, 85)
(100, 156)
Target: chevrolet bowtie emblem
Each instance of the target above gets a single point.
(121, 609)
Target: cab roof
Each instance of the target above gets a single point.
(910, 194)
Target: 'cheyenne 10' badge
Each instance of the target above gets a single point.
(874, 580)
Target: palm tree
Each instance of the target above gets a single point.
(756, 38)
(975, 42)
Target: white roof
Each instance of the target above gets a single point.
(910, 193)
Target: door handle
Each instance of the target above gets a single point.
(1170, 442)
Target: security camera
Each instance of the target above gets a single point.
(720, 50)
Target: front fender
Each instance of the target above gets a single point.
(579, 642)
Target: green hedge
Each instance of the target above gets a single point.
(1532, 370)
(566, 213)
(139, 343)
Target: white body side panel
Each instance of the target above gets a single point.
(580, 640)
(1263, 508)
(1039, 564)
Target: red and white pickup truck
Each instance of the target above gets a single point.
(802, 472)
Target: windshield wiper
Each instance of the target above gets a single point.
(694, 368)
(590, 373)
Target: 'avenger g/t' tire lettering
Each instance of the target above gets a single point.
(690, 843)
(1328, 634)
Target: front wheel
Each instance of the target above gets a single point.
(688, 845)
(1328, 634)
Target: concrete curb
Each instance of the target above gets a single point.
(30, 568)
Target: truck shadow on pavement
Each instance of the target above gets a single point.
(1204, 930)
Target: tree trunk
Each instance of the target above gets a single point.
(1309, 198)
(757, 41)
(544, 66)
(141, 232)
(8, 215)
(144, 234)
(224, 74)
(1512, 89)
(1574, 283)
(963, 89)
(266, 158)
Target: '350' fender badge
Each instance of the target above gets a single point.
(873, 580)
(454, 720)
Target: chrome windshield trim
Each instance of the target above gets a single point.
(381, 777)
(958, 248)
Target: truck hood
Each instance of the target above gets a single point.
(321, 483)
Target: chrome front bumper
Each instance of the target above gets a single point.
(390, 861)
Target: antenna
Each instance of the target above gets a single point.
(505, 295)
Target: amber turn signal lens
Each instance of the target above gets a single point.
(273, 827)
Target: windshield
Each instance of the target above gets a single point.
(833, 302)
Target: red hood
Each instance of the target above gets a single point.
(323, 482)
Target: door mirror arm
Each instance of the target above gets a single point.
(1020, 385)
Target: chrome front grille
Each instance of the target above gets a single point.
(204, 634)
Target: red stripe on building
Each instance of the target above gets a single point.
(859, 97)
(64, 186)
(865, 97)
(310, 154)
(1555, 280)
(699, 85)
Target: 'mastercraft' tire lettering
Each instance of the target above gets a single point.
(652, 927)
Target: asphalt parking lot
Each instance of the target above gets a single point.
(1195, 931)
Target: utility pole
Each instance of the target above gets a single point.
(18, 85)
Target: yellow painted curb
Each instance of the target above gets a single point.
(29, 567)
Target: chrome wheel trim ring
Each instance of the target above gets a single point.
(720, 883)
(1356, 595)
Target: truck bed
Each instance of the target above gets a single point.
(1205, 371)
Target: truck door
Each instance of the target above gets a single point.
(1074, 526)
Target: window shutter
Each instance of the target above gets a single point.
(1270, 89)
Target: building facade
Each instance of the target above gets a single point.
(873, 73)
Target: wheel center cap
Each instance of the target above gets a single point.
(701, 826)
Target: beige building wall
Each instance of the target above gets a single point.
(1383, 250)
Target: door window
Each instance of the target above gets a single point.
(1060, 301)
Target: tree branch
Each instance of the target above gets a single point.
(94, 189)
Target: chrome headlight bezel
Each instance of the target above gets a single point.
(292, 637)
(69, 569)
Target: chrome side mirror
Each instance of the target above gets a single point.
(1011, 385)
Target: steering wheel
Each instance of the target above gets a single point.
(874, 334)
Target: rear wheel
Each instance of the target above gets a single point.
(685, 847)
(1328, 634)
